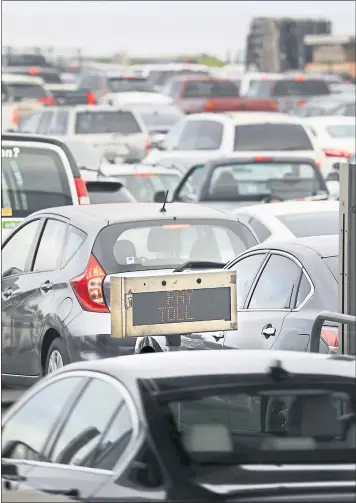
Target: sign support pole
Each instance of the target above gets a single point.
(347, 255)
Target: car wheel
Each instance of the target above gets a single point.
(57, 356)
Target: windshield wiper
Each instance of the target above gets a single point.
(196, 264)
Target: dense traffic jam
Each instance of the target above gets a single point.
(161, 209)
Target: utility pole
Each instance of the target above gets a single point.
(347, 255)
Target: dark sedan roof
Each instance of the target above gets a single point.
(126, 212)
(325, 246)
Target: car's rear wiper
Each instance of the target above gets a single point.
(196, 264)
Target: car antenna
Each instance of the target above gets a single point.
(163, 209)
(277, 372)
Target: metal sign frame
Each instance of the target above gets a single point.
(124, 286)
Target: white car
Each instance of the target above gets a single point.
(135, 98)
(203, 137)
(336, 136)
(291, 219)
(106, 127)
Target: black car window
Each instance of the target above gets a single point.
(45, 122)
(60, 123)
(74, 240)
(15, 253)
(299, 87)
(33, 180)
(115, 440)
(87, 422)
(191, 184)
(172, 139)
(51, 245)
(210, 135)
(262, 232)
(25, 434)
(189, 136)
(106, 122)
(304, 289)
(271, 136)
(210, 89)
(19, 92)
(276, 285)
(246, 271)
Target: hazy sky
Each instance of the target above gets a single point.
(151, 27)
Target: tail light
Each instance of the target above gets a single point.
(91, 98)
(209, 106)
(330, 336)
(88, 287)
(261, 158)
(82, 192)
(148, 145)
(301, 103)
(47, 100)
(33, 71)
(15, 116)
(331, 152)
(273, 105)
(299, 78)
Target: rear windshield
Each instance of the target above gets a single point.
(25, 60)
(34, 180)
(260, 425)
(107, 194)
(160, 116)
(333, 265)
(158, 245)
(18, 92)
(320, 223)
(50, 77)
(121, 85)
(106, 122)
(342, 131)
(210, 89)
(250, 181)
(144, 186)
(308, 87)
(160, 77)
(271, 136)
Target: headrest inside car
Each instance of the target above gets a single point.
(314, 416)
(207, 438)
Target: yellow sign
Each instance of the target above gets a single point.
(6, 212)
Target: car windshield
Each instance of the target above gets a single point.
(18, 92)
(86, 155)
(271, 136)
(259, 425)
(333, 265)
(32, 180)
(104, 122)
(143, 186)
(154, 117)
(318, 223)
(102, 193)
(122, 85)
(342, 131)
(210, 89)
(253, 180)
(159, 245)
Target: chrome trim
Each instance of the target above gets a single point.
(225, 489)
(295, 467)
(137, 426)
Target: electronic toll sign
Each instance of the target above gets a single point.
(178, 303)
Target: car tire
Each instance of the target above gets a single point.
(57, 356)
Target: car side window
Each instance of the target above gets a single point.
(192, 183)
(304, 289)
(51, 245)
(25, 434)
(261, 230)
(115, 440)
(45, 122)
(209, 136)
(15, 253)
(89, 419)
(30, 124)
(189, 136)
(246, 271)
(74, 241)
(172, 138)
(276, 285)
(175, 90)
(60, 123)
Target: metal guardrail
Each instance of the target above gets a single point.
(319, 322)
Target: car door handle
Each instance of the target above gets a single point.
(46, 286)
(7, 294)
(268, 331)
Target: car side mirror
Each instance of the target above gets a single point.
(160, 196)
(158, 144)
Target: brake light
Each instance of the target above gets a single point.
(301, 103)
(47, 100)
(209, 106)
(15, 116)
(273, 105)
(144, 175)
(176, 226)
(331, 152)
(34, 70)
(299, 78)
(147, 145)
(91, 98)
(88, 287)
(330, 336)
(82, 192)
(261, 158)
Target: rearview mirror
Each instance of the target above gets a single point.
(160, 196)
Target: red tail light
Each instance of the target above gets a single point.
(333, 152)
(82, 192)
(209, 106)
(33, 71)
(47, 100)
(330, 336)
(88, 287)
(301, 103)
(261, 158)
(91, 98)
(148, 146)
(273, 105)
(15, 116)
